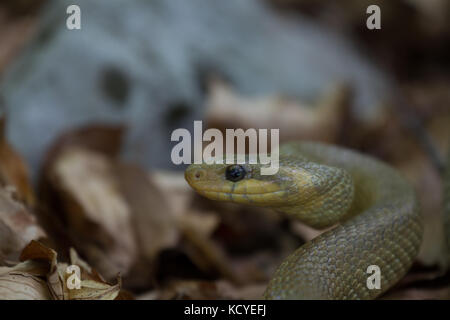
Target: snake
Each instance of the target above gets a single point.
(369, 210)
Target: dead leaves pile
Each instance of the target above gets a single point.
(39, 276)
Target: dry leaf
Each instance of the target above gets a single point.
(17, 226)
(153, 223)
(196, 226)
(95, 212)
(194, 290)
(185, 290)
(40, 262)
(89, 289)
(208, 255)
(13, 170)
(152, 218)
(16, 285)
(322, 121)
(105, 139)
(417, 167)
(179, 196)
(248, 292)
(37, 251)
(419, 294)
(25, 281)
(92, 290)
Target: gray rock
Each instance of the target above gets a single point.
(141, 63)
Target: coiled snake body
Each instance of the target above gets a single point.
(374, 209)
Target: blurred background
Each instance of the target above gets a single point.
(91, 112)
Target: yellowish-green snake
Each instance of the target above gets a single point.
(373, 209)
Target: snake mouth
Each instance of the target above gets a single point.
(245, 187)
(262, 199)
(224, 193)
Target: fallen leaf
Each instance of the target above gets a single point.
(16, 285)
(13, 170)
(152, 219)
(94, 211)
(205, 290)
(18, 226)
(39, 263)
(321, 121)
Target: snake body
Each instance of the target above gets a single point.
(373, 209)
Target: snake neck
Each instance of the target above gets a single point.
(321, 199)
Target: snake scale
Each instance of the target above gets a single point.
(373, 210)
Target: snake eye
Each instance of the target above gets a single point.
(235, 173)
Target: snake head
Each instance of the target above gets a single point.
(241, 183)
(317, 194)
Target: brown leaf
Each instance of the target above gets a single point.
(322, 121)
(88, 290)
(37, 251)
(93, 290)
(248, 292)
(208, 255)
(195, 225)
(152, 218)
(13, 170)
(104, 139)
(16, 285)
(57, 282)
(419, 294)
(178, 195)
(153, 222)
(17, 226)
(418, 168)
(124, 295)
(185, 290)
(93, 209)
(36, 255)
(193, 290)
(35, 268)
